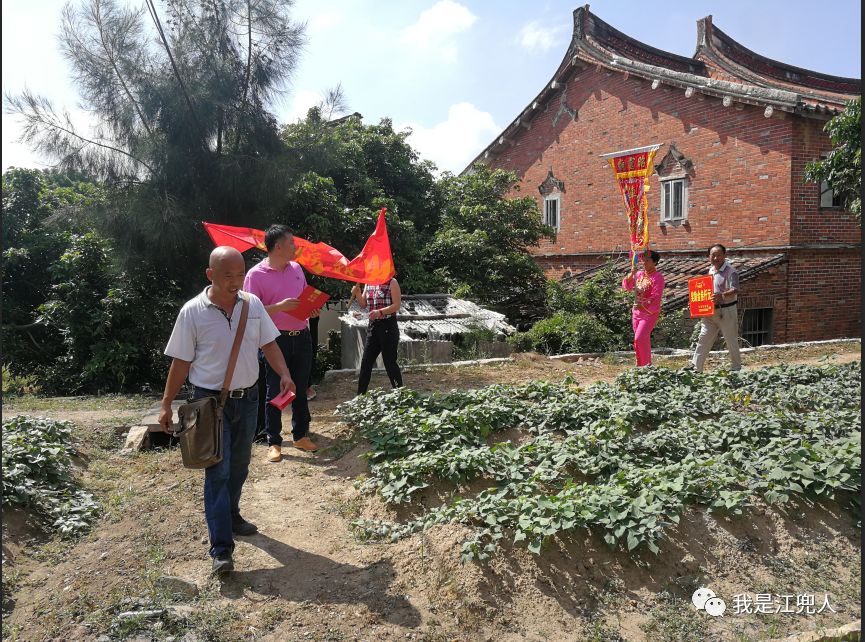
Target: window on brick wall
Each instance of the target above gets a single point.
(552, 211)
(757, 326)
(674, 200)
(828, 197)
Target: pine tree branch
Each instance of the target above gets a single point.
(164, 41)
(111, 60)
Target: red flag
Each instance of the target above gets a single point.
(240, 238)
(374, 264)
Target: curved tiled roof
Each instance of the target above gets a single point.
(736, 59)
(594, 42)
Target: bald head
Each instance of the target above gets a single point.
(223, 256)
(225, 271)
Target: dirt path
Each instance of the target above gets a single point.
(305, 577)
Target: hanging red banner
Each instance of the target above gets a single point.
(632, 169)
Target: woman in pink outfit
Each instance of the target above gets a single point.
(649, 284)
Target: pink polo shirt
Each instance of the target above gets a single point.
(272, 286)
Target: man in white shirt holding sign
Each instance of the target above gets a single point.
(200, 346)
(726, 317)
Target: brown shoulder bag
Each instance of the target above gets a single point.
(200, 431)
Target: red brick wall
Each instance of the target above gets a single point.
(810, 223)
(824, 294)
(740, 189)
(554, 267)
(767, 290)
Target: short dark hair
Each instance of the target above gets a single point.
(723, 249)
(656, 258)
(274, 234)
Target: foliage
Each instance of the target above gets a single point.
(343, 173)
(480, 250)
(468, 344)
(181, 95)
(37, 474)
(329, 357)
(16, 385)
(842, 168)
(106, 347)
(594, 315)
(674, 329)
(623, 459)
(42, 211)
(602, 296)
(565, 332)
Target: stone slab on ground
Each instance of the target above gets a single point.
(138, 438)
(151, 417)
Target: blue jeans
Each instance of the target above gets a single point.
(298, 357)
(223, 482)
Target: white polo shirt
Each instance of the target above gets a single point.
(204, 335)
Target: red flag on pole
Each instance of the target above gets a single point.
(374, 264)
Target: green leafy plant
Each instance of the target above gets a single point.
(565, 332)
(622, 459)
(329, 357)
(37, 474)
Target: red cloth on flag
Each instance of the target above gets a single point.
(374, 264)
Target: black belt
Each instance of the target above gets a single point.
(293, 333)
(237, 393)
(726, 305)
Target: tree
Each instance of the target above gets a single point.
(343, 172)
(71, 318)
(842, 168)
(480, 250)
(185, 128)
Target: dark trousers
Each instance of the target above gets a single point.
(298, 357)
(382, 337)
(313, 330)
(223, 482)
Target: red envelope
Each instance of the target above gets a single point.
(310, 300)
(281, 401)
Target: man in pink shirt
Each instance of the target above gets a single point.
(649, 284)
(278, 282)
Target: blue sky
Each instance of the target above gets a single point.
(455, 71)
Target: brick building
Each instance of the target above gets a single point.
(736, 131)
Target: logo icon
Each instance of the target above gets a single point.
(705, 599)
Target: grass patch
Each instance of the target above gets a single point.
(676, 620)
(125, 403)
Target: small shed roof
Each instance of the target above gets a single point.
(438, 316)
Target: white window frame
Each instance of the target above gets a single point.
(557, 199)
(669, 216)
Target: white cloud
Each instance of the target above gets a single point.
(535, 38)
(436, 28)
(323, 21)
(452, 144)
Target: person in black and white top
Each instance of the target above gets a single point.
(726, 317)
(382, 336)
